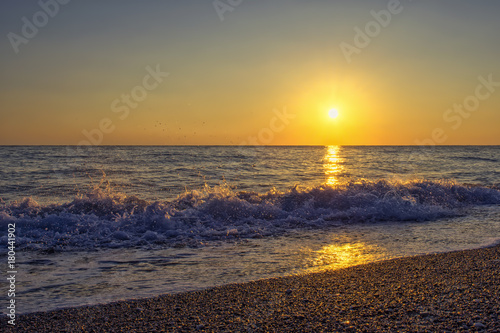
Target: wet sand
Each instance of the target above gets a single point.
(450, 292)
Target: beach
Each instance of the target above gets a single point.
(447, 292)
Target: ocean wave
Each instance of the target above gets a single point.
(102, 218)
(475, 158)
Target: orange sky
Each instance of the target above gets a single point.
(96, 73)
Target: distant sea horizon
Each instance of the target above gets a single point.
(245, 145)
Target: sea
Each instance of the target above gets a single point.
(97, 224)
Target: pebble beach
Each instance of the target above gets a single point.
(447, 292)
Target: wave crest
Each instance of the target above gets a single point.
(106, 219)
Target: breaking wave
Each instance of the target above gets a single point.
(102, 218)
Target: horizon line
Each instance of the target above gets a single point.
(236, 145)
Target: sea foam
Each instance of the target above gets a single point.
(102, 218)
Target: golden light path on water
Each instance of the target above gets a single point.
(341, 252)
(337, 256)
(332, 165)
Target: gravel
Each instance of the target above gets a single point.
(450, 292)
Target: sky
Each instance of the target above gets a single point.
(230, 72)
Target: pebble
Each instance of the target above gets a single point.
(479, 325)
(367, 296)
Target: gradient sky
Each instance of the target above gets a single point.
(227, 79)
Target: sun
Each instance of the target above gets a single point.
(333, 113)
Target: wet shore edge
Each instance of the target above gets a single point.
(455, 291)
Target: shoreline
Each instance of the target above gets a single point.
(453, 291)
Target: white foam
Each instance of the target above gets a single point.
(105, 219)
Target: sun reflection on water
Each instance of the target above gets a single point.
(332, 165)
(342, 256)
